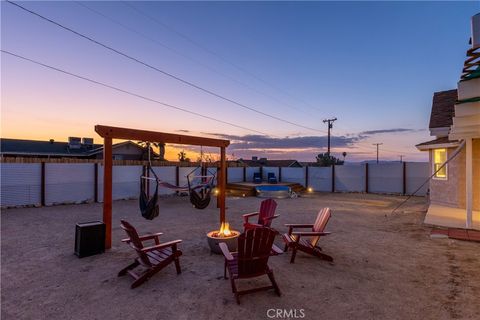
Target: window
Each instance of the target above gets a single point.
(439, 158)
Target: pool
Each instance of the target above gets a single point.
(273, 191)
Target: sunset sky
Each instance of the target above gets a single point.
(373, 65)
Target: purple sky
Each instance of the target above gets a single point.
(373, 65)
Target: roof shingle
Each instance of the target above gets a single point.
(443, 109)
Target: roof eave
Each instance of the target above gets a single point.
(427, 147)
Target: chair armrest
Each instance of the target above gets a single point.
(248, 215)
(310, 233)
(272, 217)
(161, 246)
(150, 236)
(298, 225)
(223, 246)
(276, 249)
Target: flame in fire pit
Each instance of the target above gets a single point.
(225, 230)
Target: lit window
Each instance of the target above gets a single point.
(439, 158)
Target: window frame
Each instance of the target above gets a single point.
(434, 163)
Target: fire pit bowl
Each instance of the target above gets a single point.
(214, 240)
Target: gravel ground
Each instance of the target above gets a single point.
(384, 268)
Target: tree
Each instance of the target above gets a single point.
(326, 160)
(182, 156)
(148, 145)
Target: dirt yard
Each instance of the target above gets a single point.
(384, 268)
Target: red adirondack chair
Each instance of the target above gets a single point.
(251, 259)
(293, 239)
(152, 258)
(265, 215)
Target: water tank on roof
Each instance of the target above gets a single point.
(74, 142)
(87, 142)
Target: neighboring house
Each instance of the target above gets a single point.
(75, 148)
(263, 162)
(455, 123)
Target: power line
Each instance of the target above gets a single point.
(186, 82)
(197, 44)
(163, 45)
(128, 92)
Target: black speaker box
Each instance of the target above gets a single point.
(89, 238)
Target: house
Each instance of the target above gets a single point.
(263, 162)
(455, 124)
(78, 148)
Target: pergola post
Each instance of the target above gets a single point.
(469, 183)
(107, 190)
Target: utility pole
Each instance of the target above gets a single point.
(377, 144)
(401, 157)
(330, 126)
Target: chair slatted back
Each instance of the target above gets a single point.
(267, 210)
(320, 224)
(135, 242)
(254, 247)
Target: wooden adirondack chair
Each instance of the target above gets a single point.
(293, 239)
(265, 215)
(251, 259)
(152, 258)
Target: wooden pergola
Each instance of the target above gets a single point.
(110, 133)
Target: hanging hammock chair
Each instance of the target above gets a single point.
(148, 207)
(199, 188)
(200, 194)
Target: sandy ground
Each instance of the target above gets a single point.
(383, 268)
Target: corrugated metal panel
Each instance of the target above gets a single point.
(350, 178)
(184, 171)
(417, 173)
(126, 182)
(385, 178)
(166, 174)
(266, 170)
(235, 175)
(69, 183)
(294, 175)
(20, 184)
(320, 178)
(250, 172)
